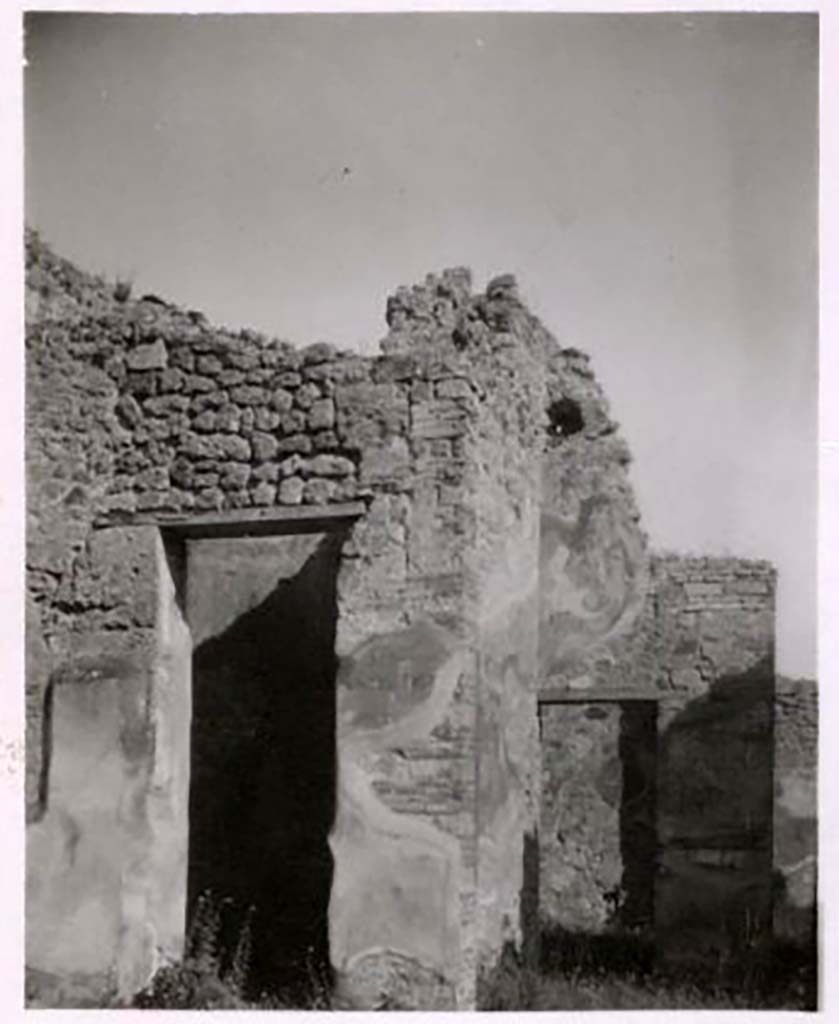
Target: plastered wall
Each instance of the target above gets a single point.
(490, 562)
(700, 652)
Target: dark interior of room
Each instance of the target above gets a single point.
(262, 795)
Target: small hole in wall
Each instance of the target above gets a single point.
(565, 417)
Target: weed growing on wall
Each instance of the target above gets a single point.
(199, 980)
(204, 980)
(122, 289)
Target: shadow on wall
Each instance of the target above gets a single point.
(796, 809)
(700, 852)
(637, 744)
(685, 793)
(598, 827)
(40, 807)
(529, 901)
(262, 798)
(715, 770)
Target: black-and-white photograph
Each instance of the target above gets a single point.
(421, 453)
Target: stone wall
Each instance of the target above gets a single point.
(593, 561)
(69, 460)
(435, 724)
(403, 898)
(457, 515)
(104, 636)
(505, 484)
(437, 780)
(582, 862)
(716, 625)
(593, 578)
(598, 825)
(106, 851)
(700, 650)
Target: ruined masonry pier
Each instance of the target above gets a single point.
(419, 584)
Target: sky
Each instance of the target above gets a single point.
(651, 179)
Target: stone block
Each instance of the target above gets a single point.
(266, 419)
(306, 395)
(235, 476)
(205, 422)
(209, 365)
(231, 378)
(325, 440)
(318, 491)
(129, 411)
(242, 357)
(147, 357)
(232, 447)
(319, 352)
(123, 502)
(300, 443)
(290, 491)
(228, 419)
(171, 379)
(182, 358)
(263, 446)
(292, 422)
(213, 399)
(293, 465)
(209, 498)
(389, 462)
(203, 480)
(268, 471)
(321, 415)
(249, 394)
(264, 493)
(438, 419)
(329, 465)
(454, 387)
(196, 382)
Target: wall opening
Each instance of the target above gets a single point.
(598, 842)
(565, 417)
(639, 835)
(262, 793)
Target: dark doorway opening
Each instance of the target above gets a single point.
(598, 833)
(262, 791)
(638, 745)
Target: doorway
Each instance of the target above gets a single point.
(263, 612)
(598, 836)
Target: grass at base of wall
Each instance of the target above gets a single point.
(208, 978)
(575, 972)
(620, 973)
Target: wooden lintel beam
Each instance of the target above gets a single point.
(244, 522)
(596, 695)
